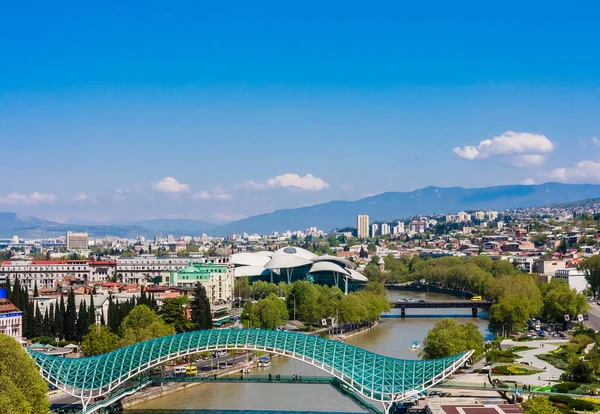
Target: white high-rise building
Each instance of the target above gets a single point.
(170, 238)
(77, 241)
(492, 215)
(385, 229)
(374, 229)
(480, 215)
(362, 226)
(398, 228)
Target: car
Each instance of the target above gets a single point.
(422, 300)
(598, 303)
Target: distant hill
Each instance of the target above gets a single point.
(176, 225)
(430, 200)
(19, 221)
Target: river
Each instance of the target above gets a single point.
(393, 337)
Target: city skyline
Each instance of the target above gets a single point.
(217, 114)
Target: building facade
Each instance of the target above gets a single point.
(374, 229)
(77, 241)
(574, 277)
(217, 279)
(11, 318)
(147, 268)
(362, 226)
(385, 229)
(49, 273)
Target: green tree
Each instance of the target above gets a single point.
(99, 340)
(561, 300)
(142, 324)
(448, 338)
(510, 312)
(24, 391)
(306, 295)
(539, 405)
(372, 272)
(173, 312)
(271, 311)
(241, 288)
(200, 307)
(250, 316)
(371, 248)
(591, 268)
(70, 318)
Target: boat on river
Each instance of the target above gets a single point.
(415, 345)
(264, 362)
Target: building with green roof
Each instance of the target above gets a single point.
(216, 279)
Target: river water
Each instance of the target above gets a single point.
(392, 337)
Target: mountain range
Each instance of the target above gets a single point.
(331, 215)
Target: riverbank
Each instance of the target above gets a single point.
(352, 334)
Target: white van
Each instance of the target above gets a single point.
(179, 370)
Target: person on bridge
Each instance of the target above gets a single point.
(269, 377)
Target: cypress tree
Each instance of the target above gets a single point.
(82, 321)
(38, 323)
(59, 318)
(200, 306)
(29, 319)
(36, 293)
(70, 319)
(91, 312)
(51, 322)
(102, 321)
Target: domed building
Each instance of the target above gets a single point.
(294, 263)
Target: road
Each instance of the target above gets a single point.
(594, 316)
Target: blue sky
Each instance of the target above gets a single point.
(137, 110)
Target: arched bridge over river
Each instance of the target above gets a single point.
(376, 377)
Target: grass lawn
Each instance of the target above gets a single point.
(514, 370)
(522, 348)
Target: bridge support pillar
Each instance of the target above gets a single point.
(474, 312)
(403, 312)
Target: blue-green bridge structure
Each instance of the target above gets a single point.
(376, 377)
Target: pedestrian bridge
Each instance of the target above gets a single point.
(376, 377)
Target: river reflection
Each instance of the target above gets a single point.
(393, 337)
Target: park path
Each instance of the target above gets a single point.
(551, 373)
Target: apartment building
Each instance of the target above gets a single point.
(77, 241)
(137, 270)
(217, 279)
(49, 273)
(385, 229)
(11, 318)
(362, 226)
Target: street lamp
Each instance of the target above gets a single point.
(294, 304)
(337, 318)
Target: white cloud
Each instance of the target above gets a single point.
(219, 193)
(529, 181)
(171, 185)
(469, 152)
(524, 147)
(27, 200)
(595, 140)
(307, 182)
(528, 160)
(81, 197)
(582, 172)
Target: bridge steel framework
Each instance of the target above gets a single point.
(376, 377)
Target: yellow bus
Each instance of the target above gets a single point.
(476, 298)
(191, 370)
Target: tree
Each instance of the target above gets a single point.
(250, 316)
(510, 313)
(99, 340)
(591, 268)
(82, 321)
(142, 324)
(242, 288)
(539, 405)
(581, 371)
(70, 318)
(561, 300)
(270, 311)
(200, 307)
(24, 391)
(173, 313)
(448, 338)
(372, 272)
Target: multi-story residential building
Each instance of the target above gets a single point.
(77, 241)
(492, 215)
(374, 229)
(385, 229)
(146, 268)
(463, 217)
(362, 226)
(49, 273)
(576, 279)
(218, 280)
(418, 226)
(480, 215)
(398, 228)
(11, 318)
(549, 267)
